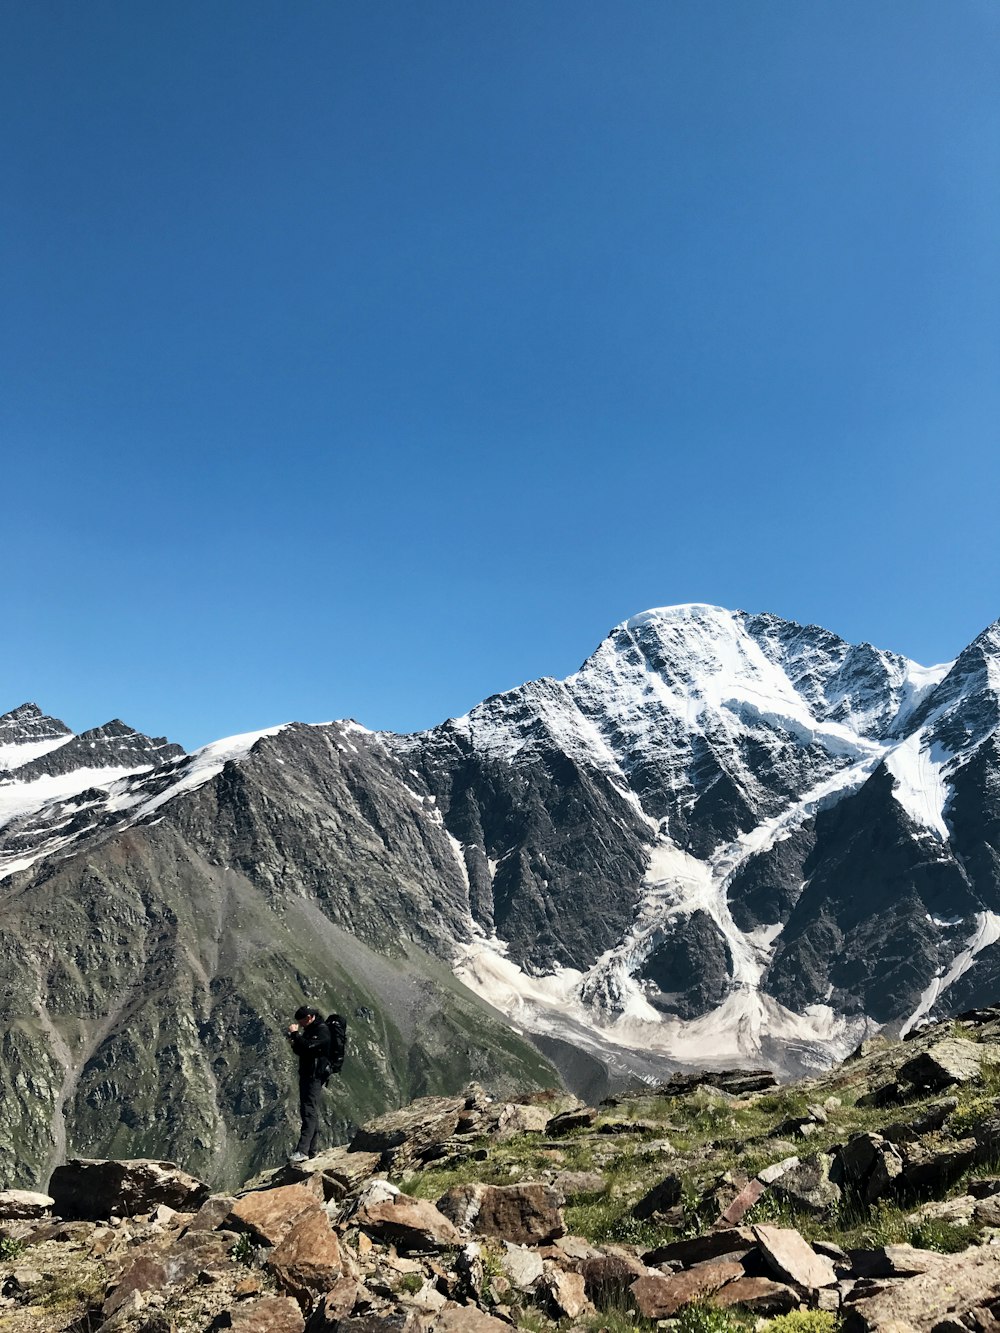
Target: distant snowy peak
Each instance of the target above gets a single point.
(964, 707)
(113, 745)
(672, 673)
(26, 733)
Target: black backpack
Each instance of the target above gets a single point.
(337, 1024)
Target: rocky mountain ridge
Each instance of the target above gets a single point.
(725, 838)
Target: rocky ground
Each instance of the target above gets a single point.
(866, 1200)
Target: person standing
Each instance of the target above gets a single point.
(309, 1037)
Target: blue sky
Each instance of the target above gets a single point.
(367, 357)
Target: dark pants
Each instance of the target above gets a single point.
(310, 1092)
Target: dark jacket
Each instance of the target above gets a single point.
(312, 1045)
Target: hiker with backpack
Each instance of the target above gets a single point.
(319, 1044)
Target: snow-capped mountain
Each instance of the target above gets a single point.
(727, 837)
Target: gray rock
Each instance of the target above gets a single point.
(931, 1170)
(769, 1174)
(522, 1266)
(582, 1117)
(808, 1186)
(573, 1183)
(792, 1259)
(660, 1198)
(868, 1165)
(716, 1244)
(892, 1261)
(953, 1060)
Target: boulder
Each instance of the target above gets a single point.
(952, 1285)
(212, 1213)
(465, 1319)
(18, 1205)
(307, 1261)
(335, 1304)
(931, 1170)
(660, 1296)
(526, 1214)
(269, 1215)
(738, 1082)
(699, 1249)
(792, 1259)
(808, 1186)
(892, 1261)
(571, 1183)
(339, 1170)
(660, 1198)
(411, 1130)
(409, 1224)
(582, 1117)
(868, 1165)
(945, 1063)
(94, 1189)
(564, 1293)
(272, 1314)
(931, 1119)
(523, 1267)
(515, 1119)
(608, 1277)
(758, 1294)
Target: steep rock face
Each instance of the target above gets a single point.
(145, 980)
(690, 967)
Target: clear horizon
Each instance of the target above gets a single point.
(370, 360)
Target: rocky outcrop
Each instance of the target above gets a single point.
(93, 1189)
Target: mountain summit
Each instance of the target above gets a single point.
(726, 838)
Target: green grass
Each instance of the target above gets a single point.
(11, 1248)
(803, 1321)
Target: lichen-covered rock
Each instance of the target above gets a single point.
(868, 1165)
(952, 1285)
(526, 1214)
(515, 1118)
(412, 1129)
(950, 1061)
(808, 1185)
